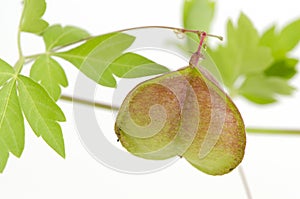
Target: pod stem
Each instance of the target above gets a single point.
(198, 55)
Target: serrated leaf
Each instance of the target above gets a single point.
(11, 119)
(131, 65)
(284, 68)
(94, 56)
(242, 55)
(262, 90)
(32, 13)
(3, 155)
(50, 74)
(56, 36)
(42, 113)
(198, 14)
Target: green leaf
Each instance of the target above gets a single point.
(42, 113)
(284, 68)
(50, 74)
(242, 55)
(284, 41)
(3, 155)
(31, 19)
(262, 90)
(57, 36)
(11, 119)
(198, 14)
(94, 56)
(6, 72)
(131, 65)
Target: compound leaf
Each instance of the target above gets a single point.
(242, 55)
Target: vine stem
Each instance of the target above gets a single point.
(19, 34)
(19, 43)
(273, 131)
(20, 63)
(176, 30)
(88, 102)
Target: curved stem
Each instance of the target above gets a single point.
(180, 30)
(177, 30)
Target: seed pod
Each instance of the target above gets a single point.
(183, 113)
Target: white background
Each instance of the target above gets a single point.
(271, 163)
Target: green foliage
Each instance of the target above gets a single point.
(101, 57)
(251, 68)
(50, 74)
(242, 54)
(198, 14)
(131, 65)
(21, 94)
(42, 113)
(58, 36)
(11, 119)
(284, 41)
(3, 155)
(263, 90)
(283, 68)
(281, 43)
(31, 19)
(93, 57)
(255, 66)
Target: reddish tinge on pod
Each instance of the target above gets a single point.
(183, 113)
